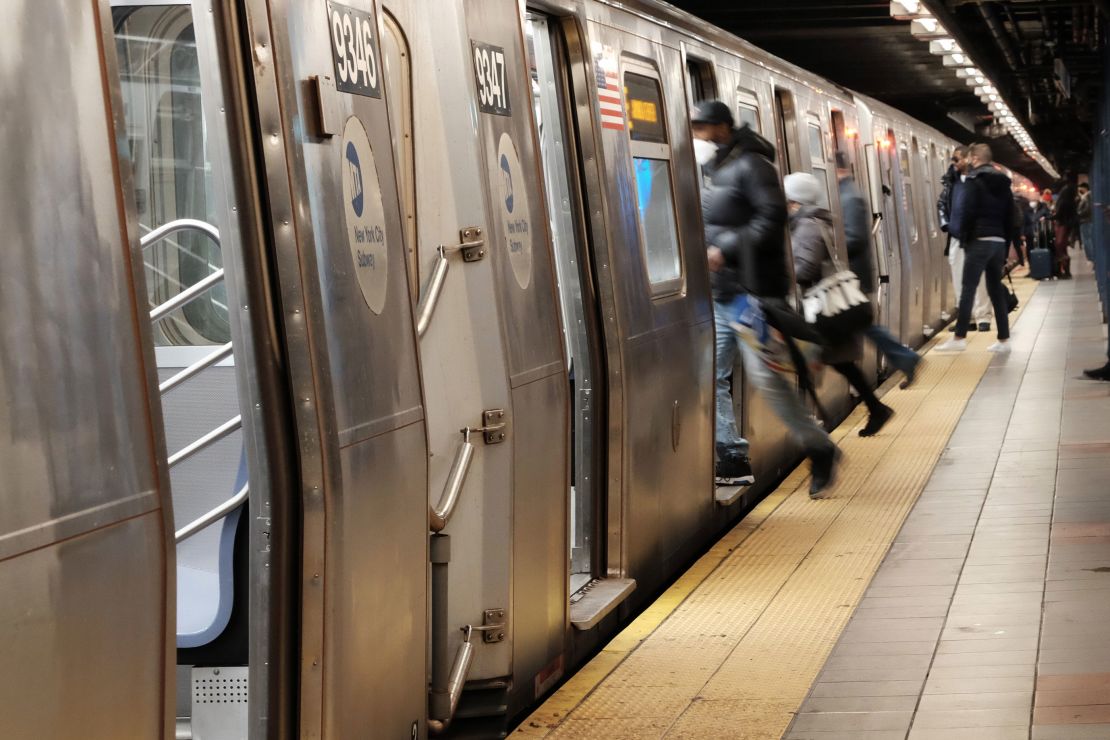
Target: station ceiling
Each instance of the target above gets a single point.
(1016, 43)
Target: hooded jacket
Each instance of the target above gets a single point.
(988, 205)
(811, 227)
(744, 210)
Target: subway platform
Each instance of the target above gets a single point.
(954, 584)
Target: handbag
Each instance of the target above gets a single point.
(835, 306)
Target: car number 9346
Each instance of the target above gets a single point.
(353, 50)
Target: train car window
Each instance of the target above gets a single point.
(398, 81)
(907, 190)
(645, 109)
(651, 161)
(700, 80)
(747, 110)
(927, 158)
(167, 148)
(818, 161)
(786, 124)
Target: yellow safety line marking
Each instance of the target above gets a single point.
(732, 647)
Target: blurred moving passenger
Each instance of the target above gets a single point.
(857, 230)
(733, 462)
(745, 214)
(811, 240)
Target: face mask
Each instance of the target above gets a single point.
(704, 151)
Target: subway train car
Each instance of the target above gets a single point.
(359, 364)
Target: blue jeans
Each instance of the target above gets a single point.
(989, 258)
(897, 354)
(728, 349)
(1087, 236)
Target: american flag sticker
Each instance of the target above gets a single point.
(609, 97)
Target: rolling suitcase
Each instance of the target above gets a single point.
(1040, 257)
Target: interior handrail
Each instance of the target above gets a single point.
(181, 224)
(205, 362)
(212, 437)
(186, 296)
(213, 516)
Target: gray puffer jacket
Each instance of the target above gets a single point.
(809, 226)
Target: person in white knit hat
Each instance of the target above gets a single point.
(811, 240)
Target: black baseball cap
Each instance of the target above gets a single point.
(711, 111)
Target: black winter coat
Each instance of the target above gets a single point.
(944, 202)
(988, 206)
(857, 230)
(745, 216)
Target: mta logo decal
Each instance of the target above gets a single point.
(355, 171)
(507, 182)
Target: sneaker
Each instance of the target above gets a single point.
(984, 326)
(970, 327)
(1002, 346)
(735, 470)
(823, 471)
(955, 344)
(1099, 373)
(876, 421)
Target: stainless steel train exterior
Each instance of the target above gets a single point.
(381, 384)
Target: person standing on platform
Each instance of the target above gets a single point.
(1067, 221)
(721, 207)
(950, 209)
(1086, 225)
(986, 230)
(857, 230)
(745, 217)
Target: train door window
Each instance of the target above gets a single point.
(927, 158)
(786, 124)
(907, 190)
(651, 161)
(559, 156)
(699, 80)
(398, 81)
(747, 110)
(161, 90)
(818, 161)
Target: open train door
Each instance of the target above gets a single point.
(86, 541)
(331, 203)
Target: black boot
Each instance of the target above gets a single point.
(876, 420)
(1099, 373)
(822, 470)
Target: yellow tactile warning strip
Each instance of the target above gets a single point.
(732, 648)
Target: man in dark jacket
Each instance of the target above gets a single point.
(949, 184)
(857, 231)
(986, 231)
(950, 210)
(744, 211)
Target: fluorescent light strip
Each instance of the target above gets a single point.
(927, 28)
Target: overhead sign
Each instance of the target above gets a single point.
(512, 202)
(354, 51)
(490, 79)
(364, 214)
